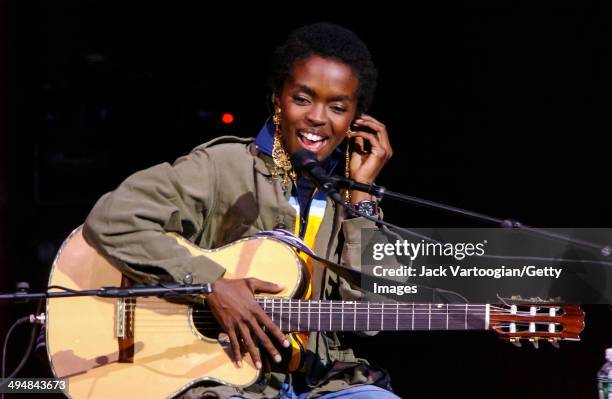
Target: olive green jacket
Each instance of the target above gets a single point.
(223, 190)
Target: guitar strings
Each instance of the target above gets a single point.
(363, 311)
(326, 305)
(333, 304)
(427, 316)
(337, 310)
(337, 327)
(202, 313)
(390, 317)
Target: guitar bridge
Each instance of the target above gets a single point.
(124, 329)
(120, 318)
(124, 318)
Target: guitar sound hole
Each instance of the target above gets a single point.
(205, 323)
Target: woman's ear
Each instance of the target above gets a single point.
(275, 101)
(355, 117)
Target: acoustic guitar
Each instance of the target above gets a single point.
(154, 348)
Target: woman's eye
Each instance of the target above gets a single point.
(338, 109)
(300, 100)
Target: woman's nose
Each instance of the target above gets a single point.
(316, 115)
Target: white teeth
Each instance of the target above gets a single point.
(312, 137)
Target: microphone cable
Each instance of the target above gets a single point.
(23, 320)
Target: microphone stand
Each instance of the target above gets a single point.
(164, 291)
(380, 192)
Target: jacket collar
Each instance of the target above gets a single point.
(265, 141)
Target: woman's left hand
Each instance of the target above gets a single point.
(365, 166)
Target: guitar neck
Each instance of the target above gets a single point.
(301, 315)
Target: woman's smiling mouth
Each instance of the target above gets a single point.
(311, 140)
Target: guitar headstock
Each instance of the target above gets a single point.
(537, 321)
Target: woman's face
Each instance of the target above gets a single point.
(318, 103)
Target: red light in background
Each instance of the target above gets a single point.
(227, 118)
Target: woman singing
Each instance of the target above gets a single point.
(322, 82)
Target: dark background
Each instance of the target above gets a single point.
(497, 107)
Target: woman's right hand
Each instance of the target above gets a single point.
(241, 318)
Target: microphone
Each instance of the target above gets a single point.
(305, 163)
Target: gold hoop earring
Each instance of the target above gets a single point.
(276, 118)
(282, 164)
(347, 164)
(349, 135)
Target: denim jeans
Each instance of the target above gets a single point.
(358, 392)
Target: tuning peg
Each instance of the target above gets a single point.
(516, 342)
(554, 342)
(535, 343)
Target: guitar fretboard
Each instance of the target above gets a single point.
(301, 315)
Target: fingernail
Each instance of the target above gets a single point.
(286, 343)
(277, 358)
(238, 363)
(258, 365)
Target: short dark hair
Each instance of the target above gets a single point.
(328, 41)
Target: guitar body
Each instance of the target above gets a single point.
(149, 347)
(153, 348)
